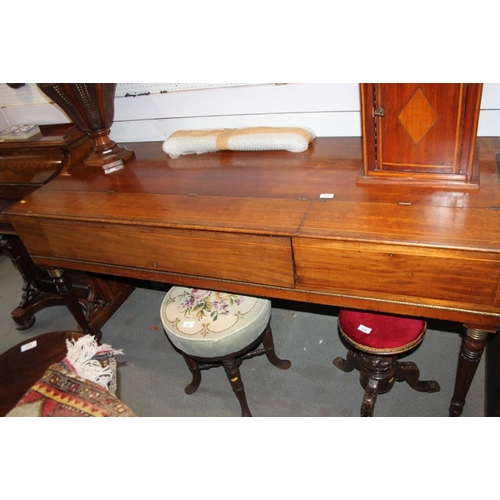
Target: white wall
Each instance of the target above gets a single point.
(329, 109)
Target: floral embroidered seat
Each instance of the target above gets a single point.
(214, 328)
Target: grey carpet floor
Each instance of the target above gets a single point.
(152, 375)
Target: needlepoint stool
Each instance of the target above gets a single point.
(377, 340)
(213, 328)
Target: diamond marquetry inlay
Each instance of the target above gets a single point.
(418, 116)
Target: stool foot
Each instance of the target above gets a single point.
(194, 368)
(267, 340)
(408, 371)
(349, 364)
(25, 325)
(234, 377)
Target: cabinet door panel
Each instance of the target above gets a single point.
(421, 126)
(421, 133)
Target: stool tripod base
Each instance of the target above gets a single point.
(231, 364)
(378, 374)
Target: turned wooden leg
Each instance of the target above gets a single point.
(12, 247)
(194, 368)
(234, 377)
(65, 289)
(470, 356)
(407, 371)
(267, 340)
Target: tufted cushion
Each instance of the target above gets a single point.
(379, 333)
(184, 142)
(211, 324)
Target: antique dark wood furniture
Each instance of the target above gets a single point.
(213, 329)
(91, 107)
(24, 167)
(377, 340)
(22, 365)
(260, 224)
(421, 133)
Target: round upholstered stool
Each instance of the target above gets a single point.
(377, 340)
(214, 328)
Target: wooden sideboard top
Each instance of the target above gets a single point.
(259, 222)
(275, 193)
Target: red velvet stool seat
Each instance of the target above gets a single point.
(376, 341)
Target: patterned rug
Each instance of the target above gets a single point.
(59, 393)
(81, 385)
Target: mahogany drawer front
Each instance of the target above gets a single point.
(227, 256)
(399, 272)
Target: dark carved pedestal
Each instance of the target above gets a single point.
(377, 375)
(24, 167)
(96, 298)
